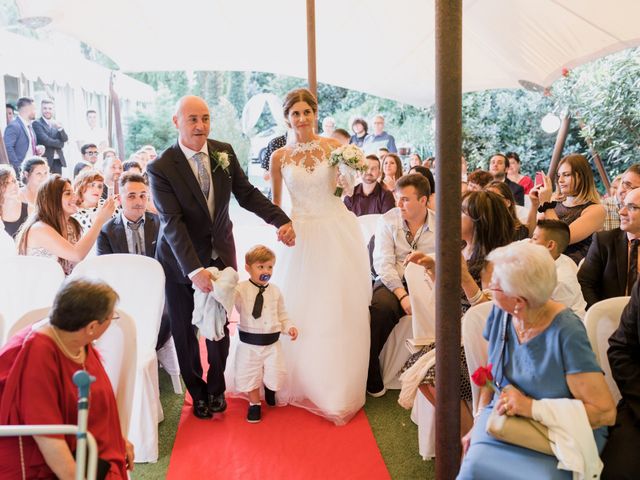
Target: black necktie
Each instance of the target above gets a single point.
(137, 239)
(632, 275)
(257, 305)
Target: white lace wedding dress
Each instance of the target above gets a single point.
(326, 285)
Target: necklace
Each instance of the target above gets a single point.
(77, 357)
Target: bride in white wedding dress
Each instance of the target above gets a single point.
(324, 278)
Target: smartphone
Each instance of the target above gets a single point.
(539, 179)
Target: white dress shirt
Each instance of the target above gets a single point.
(392, 247)
(131, 242)
(193, 164)
(274, 317)
(568, 291)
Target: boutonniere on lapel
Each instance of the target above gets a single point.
(221, 160)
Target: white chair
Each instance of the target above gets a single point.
(423, 302)
(139, 282)
(27, 319)
(602, 320)
(26, 283)
(368, 224)
(117, 347)
(394, 354)
(475, 346)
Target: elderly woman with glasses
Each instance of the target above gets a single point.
(539, 350)
(36, 388)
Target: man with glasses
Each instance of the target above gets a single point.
(630, 180)
(89, 153)
(380, 138)
(611, 266)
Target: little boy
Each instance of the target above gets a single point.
(259, 356)
(555, 235)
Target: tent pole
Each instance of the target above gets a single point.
(597, 160)
(110, 112)
(311, 47)
(448, 111)
(561, 138)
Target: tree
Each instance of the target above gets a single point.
(237, 90)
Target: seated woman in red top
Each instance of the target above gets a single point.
(36, 387)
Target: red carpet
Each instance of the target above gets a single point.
(289, 443)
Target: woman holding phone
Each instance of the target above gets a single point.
(575, 201)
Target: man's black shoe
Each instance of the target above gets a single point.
(217, 403)
(201, 409)
(269, 396)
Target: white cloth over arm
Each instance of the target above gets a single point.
(571, 435)
(210, 310)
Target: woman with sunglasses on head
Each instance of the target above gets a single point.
(486, 224)
(52, 232)
(575, 201)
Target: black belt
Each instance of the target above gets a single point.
(259, 338)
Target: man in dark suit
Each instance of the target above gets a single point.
(19, 138)
(192, 182)
(50, 133)
(624, 360)
(498, 167)
(607, 270)
(134, 231)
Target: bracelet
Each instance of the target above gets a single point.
(547, 206)
(403, 297)
(476, 298)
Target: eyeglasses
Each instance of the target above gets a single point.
(92, 154)
(495, 288)
(116, 316)
(627, 185)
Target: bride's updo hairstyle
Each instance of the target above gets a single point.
(299, 95)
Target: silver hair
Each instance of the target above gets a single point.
(526, 270)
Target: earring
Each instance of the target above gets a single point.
(515, 310)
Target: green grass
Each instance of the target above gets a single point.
(172, 406)
(397, 438)
(395, 433)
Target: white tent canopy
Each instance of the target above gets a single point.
(381, 47)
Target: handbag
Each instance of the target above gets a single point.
(520, 431)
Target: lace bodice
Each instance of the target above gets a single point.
(311, 181)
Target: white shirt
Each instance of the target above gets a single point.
(7, 244)
(193, 164)
(392, 247)
(568, 291)
(131, 242)
(274, 317)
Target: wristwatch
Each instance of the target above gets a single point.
(546, 206)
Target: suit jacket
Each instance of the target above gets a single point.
(113, 237)
(624, 354)
(188, 233)
(603, 273)
(16, 141)
(517, 190)
(52, 139)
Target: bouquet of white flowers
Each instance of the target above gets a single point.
(350, 160)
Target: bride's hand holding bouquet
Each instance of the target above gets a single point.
(350, 160)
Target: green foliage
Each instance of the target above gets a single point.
(238, 90)
(605, 96)
(226, 127)
(152, 125)
(176, 83)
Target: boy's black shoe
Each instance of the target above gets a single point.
(254, 415)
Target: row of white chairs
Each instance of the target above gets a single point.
(28, 286)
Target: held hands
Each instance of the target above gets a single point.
(287, 235)
(293, 333)
(405, 303)
(513, 402)
(40, 150)
(541, 193)
(203, 281)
